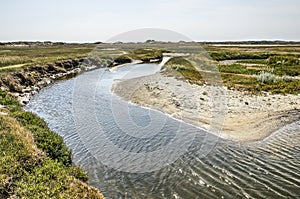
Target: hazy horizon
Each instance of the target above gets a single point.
(202, 20)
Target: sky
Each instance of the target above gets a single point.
(100, 20)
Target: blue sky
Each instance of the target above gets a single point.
(99, 20)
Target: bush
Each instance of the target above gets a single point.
(123, 59)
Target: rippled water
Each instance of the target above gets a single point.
(133, 152)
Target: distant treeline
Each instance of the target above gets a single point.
(50, 43)
(253, 42)
(40, 43)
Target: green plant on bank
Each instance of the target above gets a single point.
(182, 68)
(253, 61)
(284, 60)
(259, 68)
(285, 65)
(12, 55)
(242, 78)
(235, 55)
(280, 87)
(238, 69)
(144, 55)
(255, 85)
(34, 161)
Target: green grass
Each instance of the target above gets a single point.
(281, 87)
(253, 61)
(243, 77)
(236, 55)
(34, 161)
(182, 68)
(144, 55)
(285, 65)
(239, 69)
(253, 85)
(279, 68)
(51, 143)
(279, 62)
(10, 55)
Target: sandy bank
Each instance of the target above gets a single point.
(247, 117)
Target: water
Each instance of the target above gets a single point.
(133, 152)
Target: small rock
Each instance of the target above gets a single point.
(26, 90)
(2, 113)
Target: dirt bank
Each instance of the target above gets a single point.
(24, 83)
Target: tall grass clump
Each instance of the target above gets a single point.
(266, 77)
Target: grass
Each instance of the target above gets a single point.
(144, 55)
(51, 143)
(15, 58)
(34, 161)
(10, 55)
(285, 65)
(253, 61)
(182, 68)
(254, 85)
(259, 68)
(238, 69)
(256, 68)
(236, 55)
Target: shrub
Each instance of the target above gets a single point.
(123, 59)
(266, 77)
